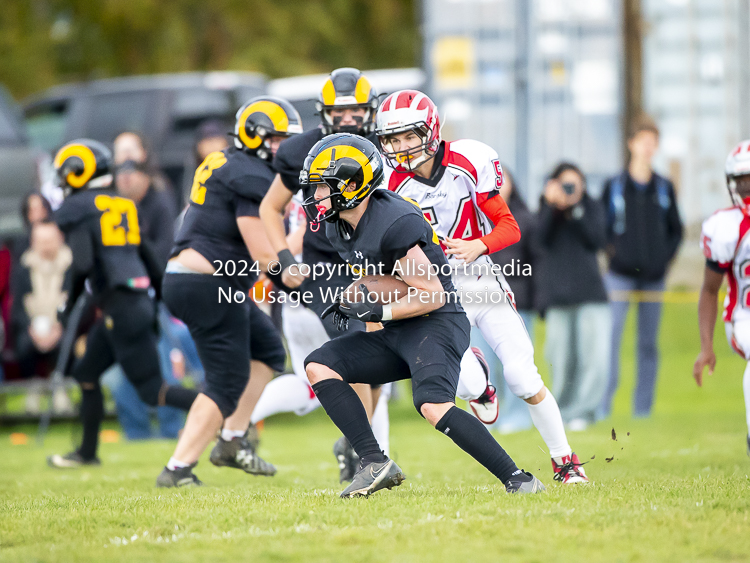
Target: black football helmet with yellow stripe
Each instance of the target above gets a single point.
(263, 117)
(83, 164)
(347, 88)
(349, 165)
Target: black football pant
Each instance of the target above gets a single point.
(125, 335)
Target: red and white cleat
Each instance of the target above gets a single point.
(569, 469)
(486, 407)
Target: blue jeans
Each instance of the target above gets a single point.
(577, 346)
(135, 415)
(514, 414)
(649, 316)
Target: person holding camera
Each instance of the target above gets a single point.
(571, 294)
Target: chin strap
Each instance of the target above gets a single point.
(315, 224)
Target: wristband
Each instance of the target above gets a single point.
(286, 259)
(387, 313)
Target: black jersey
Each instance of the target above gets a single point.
(228, 184)
(288, 162)
(388, 229)
(103, 233)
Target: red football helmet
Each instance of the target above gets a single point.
(409, 110)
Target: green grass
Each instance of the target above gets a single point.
(677, 489)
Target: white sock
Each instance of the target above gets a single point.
(380, 422)
(472, 382)
(176, 464)
(286, 393)
(548, 421)
(227, 435)
(746, 389)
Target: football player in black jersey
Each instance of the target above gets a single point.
(102, 231)
(220, 238)
(347, 104)
(424, 337)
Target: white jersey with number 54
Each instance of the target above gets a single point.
(449, 202)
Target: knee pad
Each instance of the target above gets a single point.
(522, 381)
(149, 391)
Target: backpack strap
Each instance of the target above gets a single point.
(617, 204)
(662, 191)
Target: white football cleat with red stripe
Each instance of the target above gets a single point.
(486, 407)
(569, 470)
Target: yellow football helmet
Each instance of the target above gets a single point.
(263, 117)
(347, 88)
(83, 164)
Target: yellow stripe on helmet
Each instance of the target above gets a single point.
(362, 91)
(89, 163)
(323, 160)
(275, 113)
(328, 93)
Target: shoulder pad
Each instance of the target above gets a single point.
(720, 235)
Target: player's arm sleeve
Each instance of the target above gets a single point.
(716, 267)
(719, 241)
(80, 243)
(506, 231)
(287, 170)
(406, 232)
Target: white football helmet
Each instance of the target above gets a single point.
(737, 170)
(409, 110)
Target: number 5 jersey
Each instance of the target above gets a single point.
(461, 199)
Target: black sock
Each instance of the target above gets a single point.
(92, 413)
(347, 412)
(180, 397)
(473, 437)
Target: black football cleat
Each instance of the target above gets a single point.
(237, 453)
(180, 477)
(251, 438)
(374, 477)
(522, 482)
(347, 459)
(72, 460)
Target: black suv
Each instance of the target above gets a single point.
(165, 108)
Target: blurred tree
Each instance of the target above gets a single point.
(47, 42)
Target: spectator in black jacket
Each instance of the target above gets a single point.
(156, 206)
(570, 231)
(514, 415)
(644, 231)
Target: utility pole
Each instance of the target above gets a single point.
(632, 33)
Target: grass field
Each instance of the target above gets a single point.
(676, 489)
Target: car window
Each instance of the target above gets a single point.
(111, 114)
(46, 124)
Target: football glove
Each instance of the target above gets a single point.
(362, 311)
